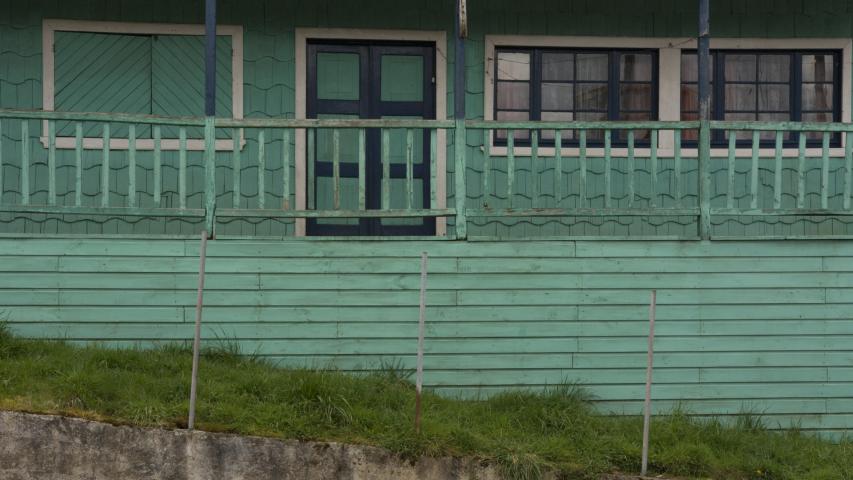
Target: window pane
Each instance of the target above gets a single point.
(592, 135)
(592, 66)
(635, 67)
(557, 96)
(774, 98)
(740, 68)
(774, 68)
(816, 117)
(637, 117)
(689, 98)
(557, 117)
(774, 117)
(740, 97)
(817, 96)
(558, 66)
(513, 66)
(635, 96)
(818, 68)
(734, 117)
(591, 96)
(513, 95)
(689, 67)
(513, 117)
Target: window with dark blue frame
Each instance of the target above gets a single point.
(551, 84)
(766, 85)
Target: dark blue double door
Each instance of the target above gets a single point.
(370, 80)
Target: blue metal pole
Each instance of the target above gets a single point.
(210, 58)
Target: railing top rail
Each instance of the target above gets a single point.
(602, 125)
(101, 117)
(332, 123)
(782, 126)
(223, 122)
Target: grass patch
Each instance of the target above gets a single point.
(524, 433)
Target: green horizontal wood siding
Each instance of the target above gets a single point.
(268, 91)
(741, 325)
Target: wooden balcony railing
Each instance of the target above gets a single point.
(100, 164)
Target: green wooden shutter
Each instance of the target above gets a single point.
(178, 77)
(97, 72)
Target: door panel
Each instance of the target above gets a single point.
(370, 81)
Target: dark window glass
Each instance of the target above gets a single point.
(570, 84)
(764, 86)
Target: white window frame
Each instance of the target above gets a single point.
(437, 38)
(669, 82)
(51, 26)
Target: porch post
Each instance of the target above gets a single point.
(210, 58)
(704, 42)
(210, 112)
(459, 113)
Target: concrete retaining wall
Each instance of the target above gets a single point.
(40, 447)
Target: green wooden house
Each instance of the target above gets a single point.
(549, 155)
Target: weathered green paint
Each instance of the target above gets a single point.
(740, 324)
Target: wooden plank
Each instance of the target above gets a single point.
(386, 169)
(262, 169)
(356, 248)
(777, 173)
(158, 165)
(236, 168)
(395, 213)
(131, 166)
(285, 165)
(110, 315)
(780, 212)
(487, 165)
(801, 172)
(534, 168)
(711, 359)
(410, 168)
(753, 176)
(563, 212)
(635, 265)
(182, 167)
(459, 177)
(433, 168)
(312, 158)
(51, 163)
(314, 123)
(732, 171)
(362, 172)
(558, 168)
(848, 170)
(631, 169)
(98, 117)
(586, 125)
(781, 249)
(679, 189)
(653, 160)
(105, 167)
(223, 298)
(510, 167)
(2, 185)
(583, 201)
(336, 169)
(110, 211)
(608, 167)
(755, 296)
(824, 172)
(25, 163)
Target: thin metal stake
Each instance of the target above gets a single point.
(421, 328)
(197, 338)
(648, 403)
